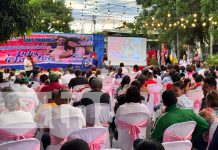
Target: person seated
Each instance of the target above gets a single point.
(54, 83)
(187, 83)
(68, 75)
(210, 113)
(63, 109)
(198, 82)
(132, 105)
(78, 80)
(136, 69)
(2, 80)
(43, 81)
(174, 115)
(150, 79)
(35, 76)
(183, 100)
(124, 85)
(95, 95)
(24, 92)
(14, 114)
(76, 144)
(140, 144)
(119, 73)
(124, 69)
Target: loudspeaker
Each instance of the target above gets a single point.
(215, 49)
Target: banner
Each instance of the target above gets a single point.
(74, 49)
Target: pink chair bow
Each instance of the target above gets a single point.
(6, 135)
(156, 96)
(134, 129)
(96, 144)
(37, 147)
(171, 137)
(57, 140)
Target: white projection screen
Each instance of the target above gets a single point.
(129, 50)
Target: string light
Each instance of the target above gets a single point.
(195, 20)
(204, 24)
(169, 15)
(152, 18)
(42, 21)
(210, 18)
(193, 25)
(182, 19)
(170, 25)
(195, 15)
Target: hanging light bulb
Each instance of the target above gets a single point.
(195, 20)
(193, 25)
(169, 15)
(182, 19)
(204, 24)
(195, 15)
(152, 18)
(170, 25)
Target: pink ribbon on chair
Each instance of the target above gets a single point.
(134, 129)
(156, 96)
(96, 144)
(37, 147)
(6, 135)
(57, 140)
(171, 137)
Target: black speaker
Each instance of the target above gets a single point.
(215, 49)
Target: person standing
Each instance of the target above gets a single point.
(28, 66)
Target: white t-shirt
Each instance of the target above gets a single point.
(65, 79)
(201, 72)
(184, 102)
(125, 71)
(64, 110)
(26, 63)
(15, 117)
(183, 63)
(131, 108)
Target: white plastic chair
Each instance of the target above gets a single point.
(197, 96)
(211, 132)
(27, 104)
(97, 114)
(96, 137)
(25, 144)
(179, 131)
(155, 96)
(130, 127)
(178, 145)
(60, 129)
(17, 131)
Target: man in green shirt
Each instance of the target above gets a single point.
(175, 115)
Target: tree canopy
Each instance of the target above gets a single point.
(192, 20)
(51, 16)
(16, 18)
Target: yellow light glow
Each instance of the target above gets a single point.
(182, 24)
(152, 18)
(169, 15)
(175, 24)
(186, 21)
(193, 25)
(182, 19)
(195, 15)
(152, 24)
(158, 25)
(184, 27)
(210, 18)
(195, 20)
(204, 24)
(170, 25)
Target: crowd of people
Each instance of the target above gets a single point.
(66, 92)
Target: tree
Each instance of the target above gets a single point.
(51, 16)
(16, 18)
(189, 20)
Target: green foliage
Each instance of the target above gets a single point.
(16, 18)
(51, 16)
(212, 60)
(166, 18)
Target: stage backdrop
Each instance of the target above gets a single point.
(51, 50)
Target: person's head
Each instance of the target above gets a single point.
(121, 64)
(60, 40)
(187, 82)
(209, 84)
(70, 66)
(96, 84)
(11, 101)
(207, 73)
(141, 79)
(136, 83)
(145, 72)
(184, 57)
(136, 68)
(66, 71)
(78, 73)
(88, 73)
(149, 145)
(199, 78)
(98, 72)
(169, 98)
(44, 79)
(133, 95)
(176, 67)
(36, 73)
(176, 77)
(198, 65)
(6, 90)
(204, 65)
(194, 75)
(150, 76)
(188, 68)
(7, 70)
(28, 57)
(73, 42)
(63, 96)
(179, 88)
(24, 81)
(53, 77)
(76, 144)
(125, 80)
(212, 99)
(12, 73)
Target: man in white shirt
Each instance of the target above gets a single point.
(11, 101)
(28, 66)
(68, 75)
(24, 92)
(124, 70)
